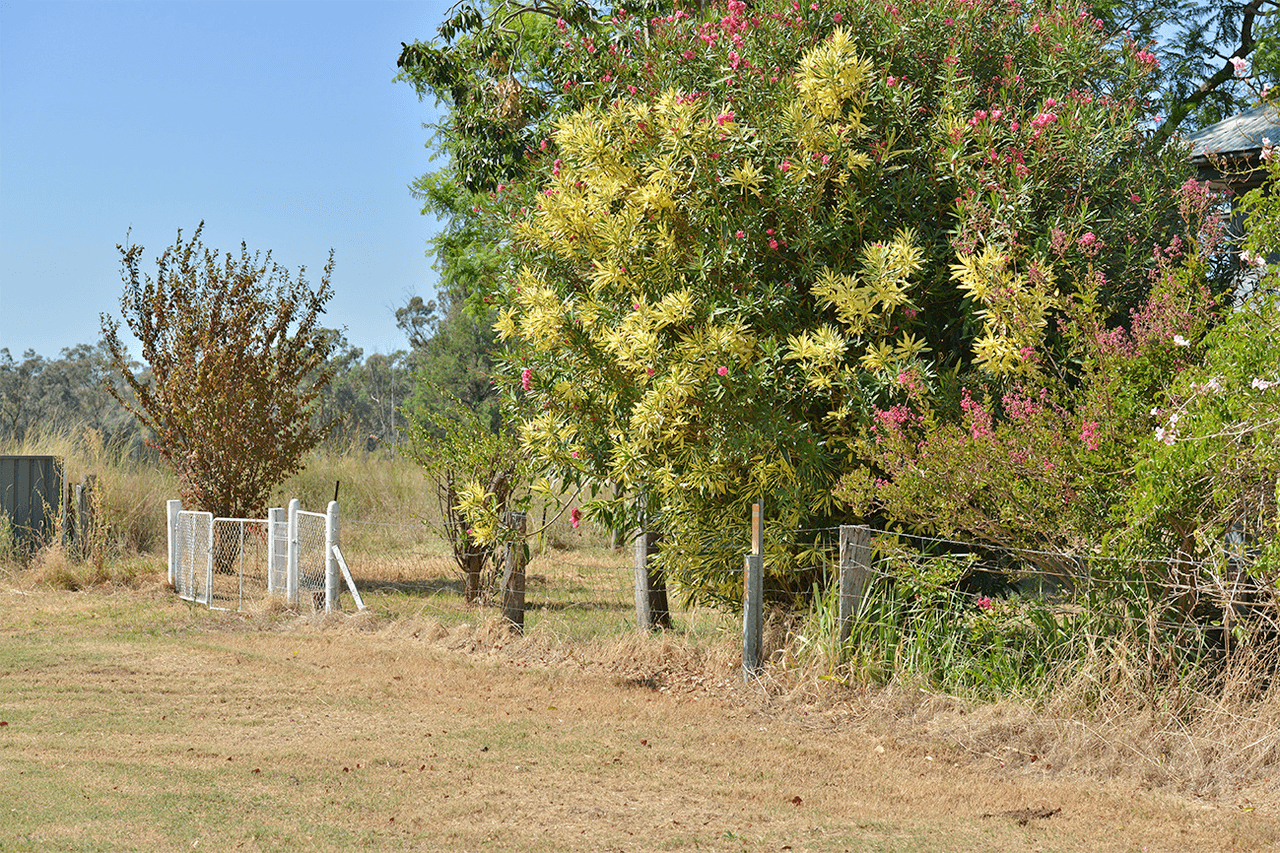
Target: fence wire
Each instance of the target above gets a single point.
(194, 532)
(311, 558)
(239, 562)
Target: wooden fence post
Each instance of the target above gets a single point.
(652, 608)
(513, 572)
(855, 573)
(753, 598)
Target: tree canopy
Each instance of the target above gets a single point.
(237, 360)
(737, 239)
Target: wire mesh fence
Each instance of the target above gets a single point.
(193, 537)
(974, 617)
(311, 559)
(239, 562)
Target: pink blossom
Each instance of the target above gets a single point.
(738, 234)
(1240, 65)
(984, 603)
(575, 517)
(1089, 434)
(526, 378)
(1164, 435)
(722, 370)
(574, 454)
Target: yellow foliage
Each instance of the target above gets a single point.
(1015, 308)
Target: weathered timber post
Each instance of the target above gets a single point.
(513, 572)
(855, 573)
(753, 598)
(652, 608)
(82, 527)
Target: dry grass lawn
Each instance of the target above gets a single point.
(130, 720)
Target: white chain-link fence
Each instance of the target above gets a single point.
(191, 545)
(231, 563)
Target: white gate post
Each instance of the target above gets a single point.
(172, 508)
(331, 539)
(276, 519)
(208, 578)
(291, 576)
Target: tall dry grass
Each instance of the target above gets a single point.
(128, 496)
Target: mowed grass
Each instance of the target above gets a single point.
(134, 721)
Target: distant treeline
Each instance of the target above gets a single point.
(365, 403)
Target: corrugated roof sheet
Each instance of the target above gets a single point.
(1239, 134)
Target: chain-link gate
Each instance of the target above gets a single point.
(227, 563)
(239, 562)
(193, 541)
(311, 559)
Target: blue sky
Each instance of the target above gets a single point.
(277, 123)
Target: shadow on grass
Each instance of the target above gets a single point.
(427, 587)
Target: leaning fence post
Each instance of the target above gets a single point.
(332, 538)
(513, 571)
(291, 565)
(652, 609)
(753, 598)
(172, 508)
(855, 572)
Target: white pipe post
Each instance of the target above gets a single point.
(172, 508)
(291, 563)
(208, 580)
(332, 539)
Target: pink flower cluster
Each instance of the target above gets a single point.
(979, 417)
(1089, 434)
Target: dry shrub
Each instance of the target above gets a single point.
(51, 567)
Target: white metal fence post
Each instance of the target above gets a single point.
(208, 583)
(291, 570)
(172, 508)
(332, 538)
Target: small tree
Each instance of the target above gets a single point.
(237, 360)
(457, 449)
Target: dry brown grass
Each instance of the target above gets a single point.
(137, 722)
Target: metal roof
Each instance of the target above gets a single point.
(1240, 134)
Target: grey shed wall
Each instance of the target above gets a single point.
(32, 497)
